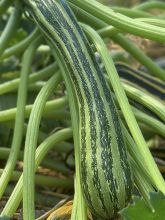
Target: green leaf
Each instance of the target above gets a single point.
(139, 210)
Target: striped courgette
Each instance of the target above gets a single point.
(105, 172)
(142, 80)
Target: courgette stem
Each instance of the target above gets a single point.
(146, 100)
(133, 13)
(9, 114)
(10, 27)
(33, 77)
(21, 46)
(48, 181)
(31, 143)
(154, 21)
(122, 22)
(138, 54)
(153, 123)
(20, 115)
(49, 143)
(145, 6)
(142, 184)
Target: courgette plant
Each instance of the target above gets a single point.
(111, 154)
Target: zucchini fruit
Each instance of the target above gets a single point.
(105, 171)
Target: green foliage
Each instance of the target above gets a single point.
(139, 210)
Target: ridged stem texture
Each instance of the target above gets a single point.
(31, 143)
(50, 142)
(20, 115)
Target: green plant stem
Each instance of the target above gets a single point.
(31, 143)
(63, 147)
(86, 17)
(21, 46)
(10, 28)
(143, 186)
(154, 124)
(139, 55)
(41, 74)
(145, 6)
(154, 21)
(49, 143)
(20, 114)
(4, 4)
(146, 130)
(55, 165)
(140, 169)
(37, 86)
(133, 13)
(142, 117)
(9, 114)
(136, 52)
(147, 100)
(121, 22)
(143, 150)
(61, 114)
(46, 181)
